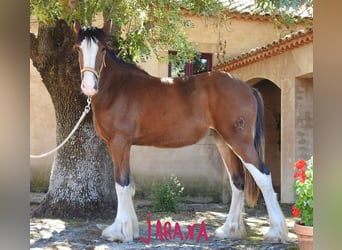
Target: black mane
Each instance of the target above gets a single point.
(93, 33)
(122, 63)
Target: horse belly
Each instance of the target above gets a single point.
(170, 134)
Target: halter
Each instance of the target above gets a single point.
(97, 74)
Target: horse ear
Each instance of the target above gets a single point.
(77, 26)
(107, 27)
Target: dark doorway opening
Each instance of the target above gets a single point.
(272, 113)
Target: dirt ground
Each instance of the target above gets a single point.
(81, 234)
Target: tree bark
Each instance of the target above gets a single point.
(82, 177)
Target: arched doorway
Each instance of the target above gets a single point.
(272, 112)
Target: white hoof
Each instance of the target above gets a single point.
(121, 232)
(230, 232)
(220, 233)
(114, 233)
(275, 235)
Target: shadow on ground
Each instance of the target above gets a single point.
(85, 234)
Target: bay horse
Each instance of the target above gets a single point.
(131, 107)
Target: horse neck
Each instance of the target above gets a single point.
(121, 68)
(110, 65)
(111, 80)
(111, 72)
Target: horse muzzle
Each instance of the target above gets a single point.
(89, 88)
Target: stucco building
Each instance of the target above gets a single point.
(283, 71)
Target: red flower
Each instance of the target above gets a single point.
(302, 178)
(300, 164)
(300, 174)
(297, 175)
(295, 211)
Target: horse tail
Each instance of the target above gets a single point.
(259, 136)
(252, 190)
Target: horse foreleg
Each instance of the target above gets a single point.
(125, 227)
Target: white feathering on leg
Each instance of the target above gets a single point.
(233, 228)
(125, 226)
(278, 229)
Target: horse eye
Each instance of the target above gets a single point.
(76, 48)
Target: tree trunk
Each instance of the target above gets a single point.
(82, 177)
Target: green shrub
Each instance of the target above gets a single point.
(166, 195)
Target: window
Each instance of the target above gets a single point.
(201, 64)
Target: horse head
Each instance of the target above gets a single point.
(92, 49)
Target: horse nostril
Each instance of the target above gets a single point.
(87, 84)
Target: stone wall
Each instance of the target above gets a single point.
(304, 118)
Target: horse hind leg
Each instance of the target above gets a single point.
(125, 226)
(278, 231)
(233, 228)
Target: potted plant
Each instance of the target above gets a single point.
(303, 208)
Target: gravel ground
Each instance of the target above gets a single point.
(81, 234)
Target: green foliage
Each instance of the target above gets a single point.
(288, 13)
(303, 189)
(145, 27)
(140, 28)
(282, 4)
(45, 10)
(166, 195)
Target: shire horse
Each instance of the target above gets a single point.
(131, 107)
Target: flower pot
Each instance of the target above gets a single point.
(305, 236)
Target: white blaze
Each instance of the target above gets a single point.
(89, 49)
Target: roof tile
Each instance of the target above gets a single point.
(276, 47)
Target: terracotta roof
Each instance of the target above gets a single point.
(277, 47)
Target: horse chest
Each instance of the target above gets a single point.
(108, 124)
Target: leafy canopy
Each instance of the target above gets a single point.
(143, 27)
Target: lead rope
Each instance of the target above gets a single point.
(85, 112)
